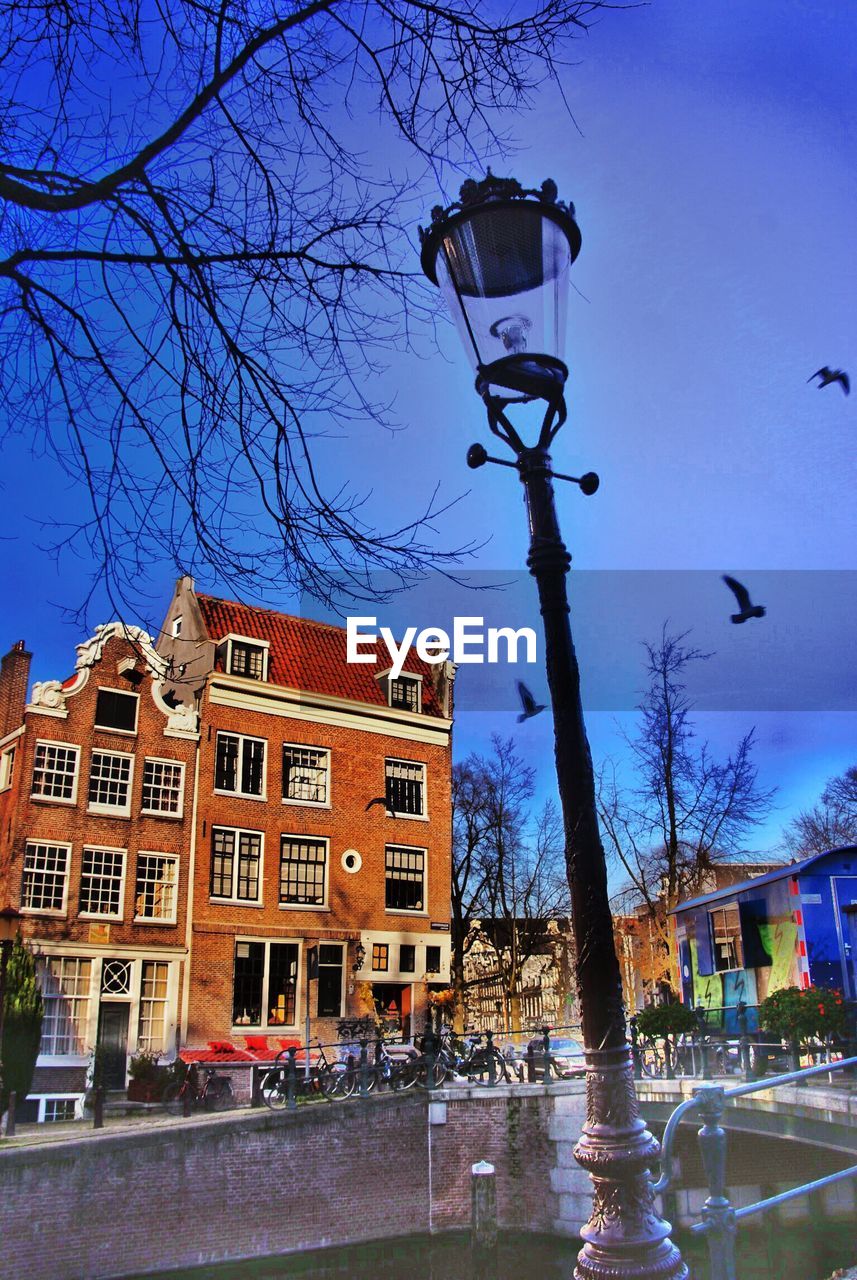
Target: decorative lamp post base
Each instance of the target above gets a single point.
(625, 1239)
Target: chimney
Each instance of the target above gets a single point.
(14, 677)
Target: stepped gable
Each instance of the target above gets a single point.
(311, 656)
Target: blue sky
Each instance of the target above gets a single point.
(711, 162)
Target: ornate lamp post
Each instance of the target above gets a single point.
(502, 257)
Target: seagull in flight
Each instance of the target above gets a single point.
(742, 595)
(832, 375)
(528, 702)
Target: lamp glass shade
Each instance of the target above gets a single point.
(504, 274)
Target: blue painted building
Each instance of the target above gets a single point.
(796, 926)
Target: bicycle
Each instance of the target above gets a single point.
(481, 1064)
(327, 1077)
(215, 1093)
(383, 1072)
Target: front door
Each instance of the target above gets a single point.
(113, 1043)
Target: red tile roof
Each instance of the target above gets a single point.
(310, 655)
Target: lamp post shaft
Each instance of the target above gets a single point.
(625, 1239)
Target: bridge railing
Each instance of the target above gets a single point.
(719, 1220)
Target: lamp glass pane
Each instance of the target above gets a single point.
(504, 273)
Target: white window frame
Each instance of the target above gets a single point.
(64, 746)
(125, 693)
(407, 848)
(418, 764)
(84, 1027)
(145, 1042)
(56, 912)
(306, 746)
(111, 810)
(253, 643)
(242, 738)
(7, 768)
(305, 906)
(177, 626)
(418, 681)
(103, 915)
(163, 813)
(260, 878)
(170, 857)
(265, 1026)
(44, 1098)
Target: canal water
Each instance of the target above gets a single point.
(785, 1254)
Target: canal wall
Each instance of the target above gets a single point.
(180, 1193)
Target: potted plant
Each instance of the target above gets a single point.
(147, 1079)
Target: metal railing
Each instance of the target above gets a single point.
(717, 1049)
(719, 1220)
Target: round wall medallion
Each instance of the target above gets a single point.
(351, 861)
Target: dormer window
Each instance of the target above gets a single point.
(405, 693)
(247, 658)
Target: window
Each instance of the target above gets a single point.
(405, 693)
(45, 877)
(407, 958)
(725, 926)
(329, 980)
(264, 984)
(380, 956)
(404, 873)
(59, 1109)
(163, 787)
(153, 1006)
(405, 788)
(432, 959)
(55, 771)
(110, 782)
(116, 978)
(65, 991)
(247, 660)
(7, 768)
(235, 859)
(177, 626)
(101, 881)
(116, 710)
(240, 765)
(155, 889)
(305, 774)
(303, 867)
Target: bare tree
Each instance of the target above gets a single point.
(686, 812)
(830, 823)
(508, 868)
(203, 271)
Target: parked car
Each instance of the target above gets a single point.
(566, 1055)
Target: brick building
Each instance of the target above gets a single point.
(96, 776)
(321, 868)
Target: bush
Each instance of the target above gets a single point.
(144, 1066)
(22, 1023)
(666, 1020)
(797, 1014)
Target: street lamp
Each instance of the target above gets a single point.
(502, 257)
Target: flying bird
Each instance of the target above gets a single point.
(832, 375)
(380, 800)
(742, 595)
(528, 702)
